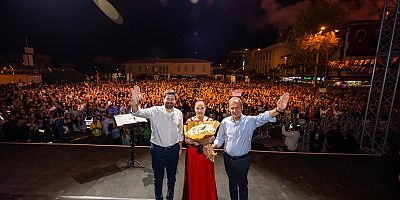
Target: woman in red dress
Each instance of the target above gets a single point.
(199, 180)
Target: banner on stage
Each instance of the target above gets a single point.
(128, 119)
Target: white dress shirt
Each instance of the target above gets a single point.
(291, 138)
(166, 127)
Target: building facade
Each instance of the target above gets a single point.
(16, 62)
(169, 66)
(236, 59)
(266, 59)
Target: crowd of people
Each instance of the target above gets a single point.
(56, 113)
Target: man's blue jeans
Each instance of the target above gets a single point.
(164, 157)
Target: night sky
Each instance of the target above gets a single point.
(78, 31)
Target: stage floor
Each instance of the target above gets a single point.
(35, 171)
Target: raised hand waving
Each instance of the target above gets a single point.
(136, 96)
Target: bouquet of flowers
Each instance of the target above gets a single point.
(201, 132)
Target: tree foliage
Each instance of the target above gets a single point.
(318, 42)
(303, 38)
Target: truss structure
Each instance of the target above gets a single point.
(385, 76)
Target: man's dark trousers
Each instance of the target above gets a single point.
(237, 168)
(164, 157)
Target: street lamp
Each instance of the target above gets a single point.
(12, 69)
(240, 68)
(326, 63)
(317, 57)
(328, 42)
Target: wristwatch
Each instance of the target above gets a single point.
(280, 112)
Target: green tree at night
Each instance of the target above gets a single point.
(305, 37)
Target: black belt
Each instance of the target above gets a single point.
(237, 157)
(164, 148)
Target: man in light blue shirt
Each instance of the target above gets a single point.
(236, 132)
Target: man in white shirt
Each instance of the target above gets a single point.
(291, 137)
(166, 138)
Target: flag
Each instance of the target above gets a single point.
(236, 93)
(363, 39)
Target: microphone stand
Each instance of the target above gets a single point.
(131, 162)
